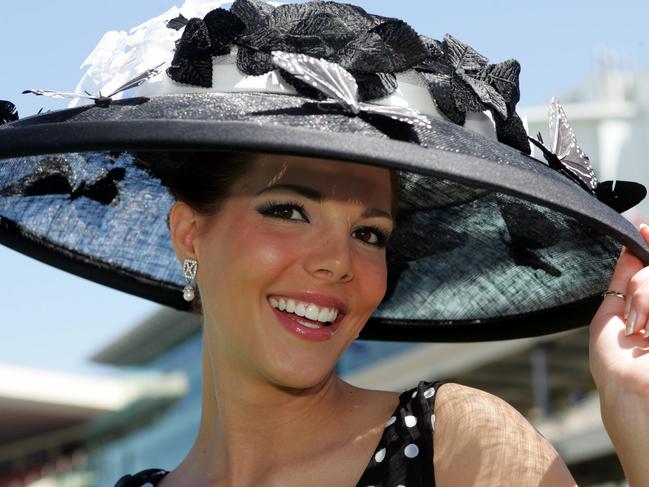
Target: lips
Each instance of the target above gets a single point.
(313, 317)
(316, 334)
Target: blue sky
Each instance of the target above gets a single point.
(54, 320)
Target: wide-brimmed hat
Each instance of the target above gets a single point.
(491, 243)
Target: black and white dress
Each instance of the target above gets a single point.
(402, 458)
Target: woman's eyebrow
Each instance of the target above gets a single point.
(305, 191)
(374, 212)
(315, 195)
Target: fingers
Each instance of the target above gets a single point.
(627, 307)
(637, 302)
(636, 310)
(629, 278)
(627, 266)
(633, 286)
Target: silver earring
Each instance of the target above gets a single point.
(190, 266)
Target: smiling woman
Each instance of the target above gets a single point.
(304, 227)
(203, 181)
(322, 174)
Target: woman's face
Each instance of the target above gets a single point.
(296, 237)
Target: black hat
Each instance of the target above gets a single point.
(490, 242)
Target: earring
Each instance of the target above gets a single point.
(190, 266)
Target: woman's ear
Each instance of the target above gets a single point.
(183, 226)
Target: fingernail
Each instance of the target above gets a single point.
(627, 307)
(630, 322)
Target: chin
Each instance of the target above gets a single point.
(296, 374)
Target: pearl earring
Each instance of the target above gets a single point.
(190, 266)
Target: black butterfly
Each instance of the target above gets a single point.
(338, 84)
(524, 240)
(53, 175)
(101, 100)
(177, 22)
(566, 157)
(8, 112)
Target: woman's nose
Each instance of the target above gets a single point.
(330, 258)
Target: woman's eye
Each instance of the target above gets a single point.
(371, 236)
(284, 211)
(290, 214)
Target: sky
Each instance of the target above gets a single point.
(50, 319)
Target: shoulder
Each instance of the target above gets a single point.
(482, 440)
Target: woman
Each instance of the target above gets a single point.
(268, 381)
(295, 250)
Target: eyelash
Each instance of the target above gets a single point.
(272, 208)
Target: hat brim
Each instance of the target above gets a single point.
(291, 125)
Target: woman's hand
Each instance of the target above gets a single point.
(619, 351)
(619, 362)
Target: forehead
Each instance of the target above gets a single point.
(333, 179)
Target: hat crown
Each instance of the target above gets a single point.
(222, 50)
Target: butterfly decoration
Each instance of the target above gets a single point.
(177, 22)
(53, 175)
(99, 99)
(8, 112)
(524, 240)
(337, 84)
(566, 157)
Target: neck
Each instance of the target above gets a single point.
(248, 421)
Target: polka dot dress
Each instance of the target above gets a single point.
(146, 478)
(403, 457)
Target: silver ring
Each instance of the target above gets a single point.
(617, 294)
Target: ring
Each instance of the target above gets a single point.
(617, 294)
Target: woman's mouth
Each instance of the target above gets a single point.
(315, 315)
(305, 319)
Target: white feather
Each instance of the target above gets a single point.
(120, 56)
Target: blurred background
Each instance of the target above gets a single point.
(95, 383)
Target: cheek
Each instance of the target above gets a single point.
(372, 274)
(245, 261)
(256, 254)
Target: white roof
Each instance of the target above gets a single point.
(34, 402)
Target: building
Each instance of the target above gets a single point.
(51, 421)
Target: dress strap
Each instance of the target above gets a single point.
(145, 478)
(404, 455)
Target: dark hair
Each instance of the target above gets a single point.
(201, 179)
(204, 179)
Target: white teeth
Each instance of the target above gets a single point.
(312, 312)
(334, 315)
(308, 310)
(308, 325)
(324, 315)
(300, 309)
